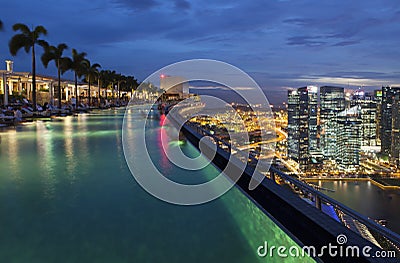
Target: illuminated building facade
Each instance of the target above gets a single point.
(332, 102)
(368, 108)
(378, 100)
(349, 139)
(388, 95)
(302, 125)
(395, 138)
(20, 83)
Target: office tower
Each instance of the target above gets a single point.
(378, 100)
(332, 102)
(368, 108)
(312, 110)
(349, 139)
(302, 125)
(388, 94)
(395, 146)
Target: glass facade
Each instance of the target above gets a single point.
(368, 108)
(349, 131)
(332, 102)
(388, 94)
(302, 124)
(395, 146)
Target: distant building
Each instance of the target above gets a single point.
(395, 138)
(378, 100)
(349, 139)
(175, 87)
(332, 102)
(302, 125)
(388, 95)
(368, 109)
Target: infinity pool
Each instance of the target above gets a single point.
(67, 195)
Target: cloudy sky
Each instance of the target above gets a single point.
(281, 44)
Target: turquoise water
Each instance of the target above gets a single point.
(66, 195)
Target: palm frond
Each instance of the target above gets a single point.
(42, 42)
(46, 45)
(22, 27)
(62, 46)
(96, 66)
(86, 64)
(40, 30)
(65, 64)
(79, 63)
(17, 42)
(48, 55)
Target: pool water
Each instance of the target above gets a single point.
(67, 195)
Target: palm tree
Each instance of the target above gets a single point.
(27, 39)
(130, 84)
(77, 65)
(102, 81)
(91, 73)
(119, 78)
(112, 77)
(56, 54)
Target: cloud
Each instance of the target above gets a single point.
(298, 21)
(137, 5)
(346, 43)
(280, 43)
(309, 41)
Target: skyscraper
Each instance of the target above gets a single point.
(349, 139)
(302, 124)
(368, 108)
(378, 100)
(395, 146)
(388, 95)
(332, 102)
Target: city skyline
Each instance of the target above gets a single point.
(280, 44)
(225, 131)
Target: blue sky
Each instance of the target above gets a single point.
(280, 44)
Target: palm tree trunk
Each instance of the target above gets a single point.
(98, 84)
(118, 91)
(112, 90)
(76, 91)
(33, 78)
(59, 84)
(89, 91)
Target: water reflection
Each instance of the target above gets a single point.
(368, 200)
(45, 144)
(69, 148)
(12, 150)
(82, 151)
